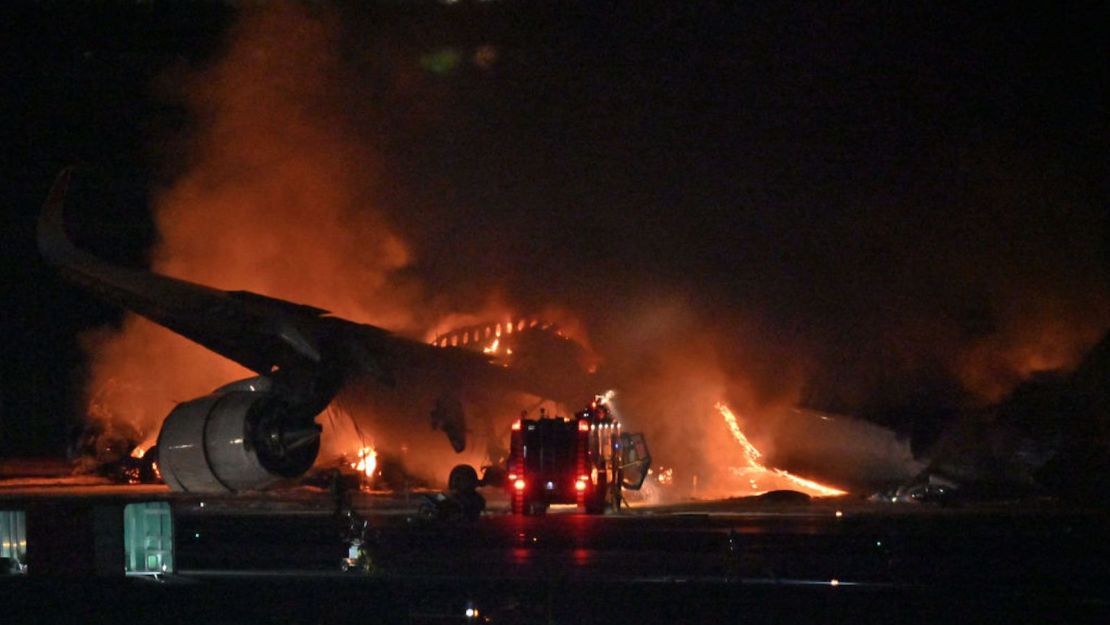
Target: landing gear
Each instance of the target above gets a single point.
(460, 502)
(462, 478)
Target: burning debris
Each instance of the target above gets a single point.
(759, 476)
(665, 476)
(367, 461)
(355, 459)
(109, 448)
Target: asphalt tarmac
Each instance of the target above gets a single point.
(278, 560)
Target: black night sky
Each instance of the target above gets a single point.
(867, 199)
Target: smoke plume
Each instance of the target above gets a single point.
(276, 199)
(422, 176)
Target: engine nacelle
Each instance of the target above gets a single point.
(235, 440)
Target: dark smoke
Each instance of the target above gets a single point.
(725, 218)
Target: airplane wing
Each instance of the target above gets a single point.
(258, 332)
(266, 334)
(236, 439)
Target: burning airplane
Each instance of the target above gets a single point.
(261, 431)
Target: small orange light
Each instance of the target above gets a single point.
(580, 485)
(516, 424)
(583, 426)
(519, 484)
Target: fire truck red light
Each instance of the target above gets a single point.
(580, 485)
(583, 426)
(519, 484)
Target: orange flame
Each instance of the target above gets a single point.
(367, 461)
(755, 469)
(751, 454)
(665, 476)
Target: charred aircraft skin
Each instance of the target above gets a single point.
(1051, 435)
(264, 433)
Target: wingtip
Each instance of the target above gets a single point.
(52, 240)
(59, 188)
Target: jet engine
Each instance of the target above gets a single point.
(236, 439)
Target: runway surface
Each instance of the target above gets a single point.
(276, 559)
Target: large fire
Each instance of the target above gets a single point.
(283, 192)
(495, 338)
(755, 471)
(489, 336)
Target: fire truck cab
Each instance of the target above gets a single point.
(585, 460)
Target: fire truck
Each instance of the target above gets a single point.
(585, 460)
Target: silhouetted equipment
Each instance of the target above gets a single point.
(586, 460)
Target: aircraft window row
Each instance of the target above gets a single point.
(475, 335)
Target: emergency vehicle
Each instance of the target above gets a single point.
(585, 460)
